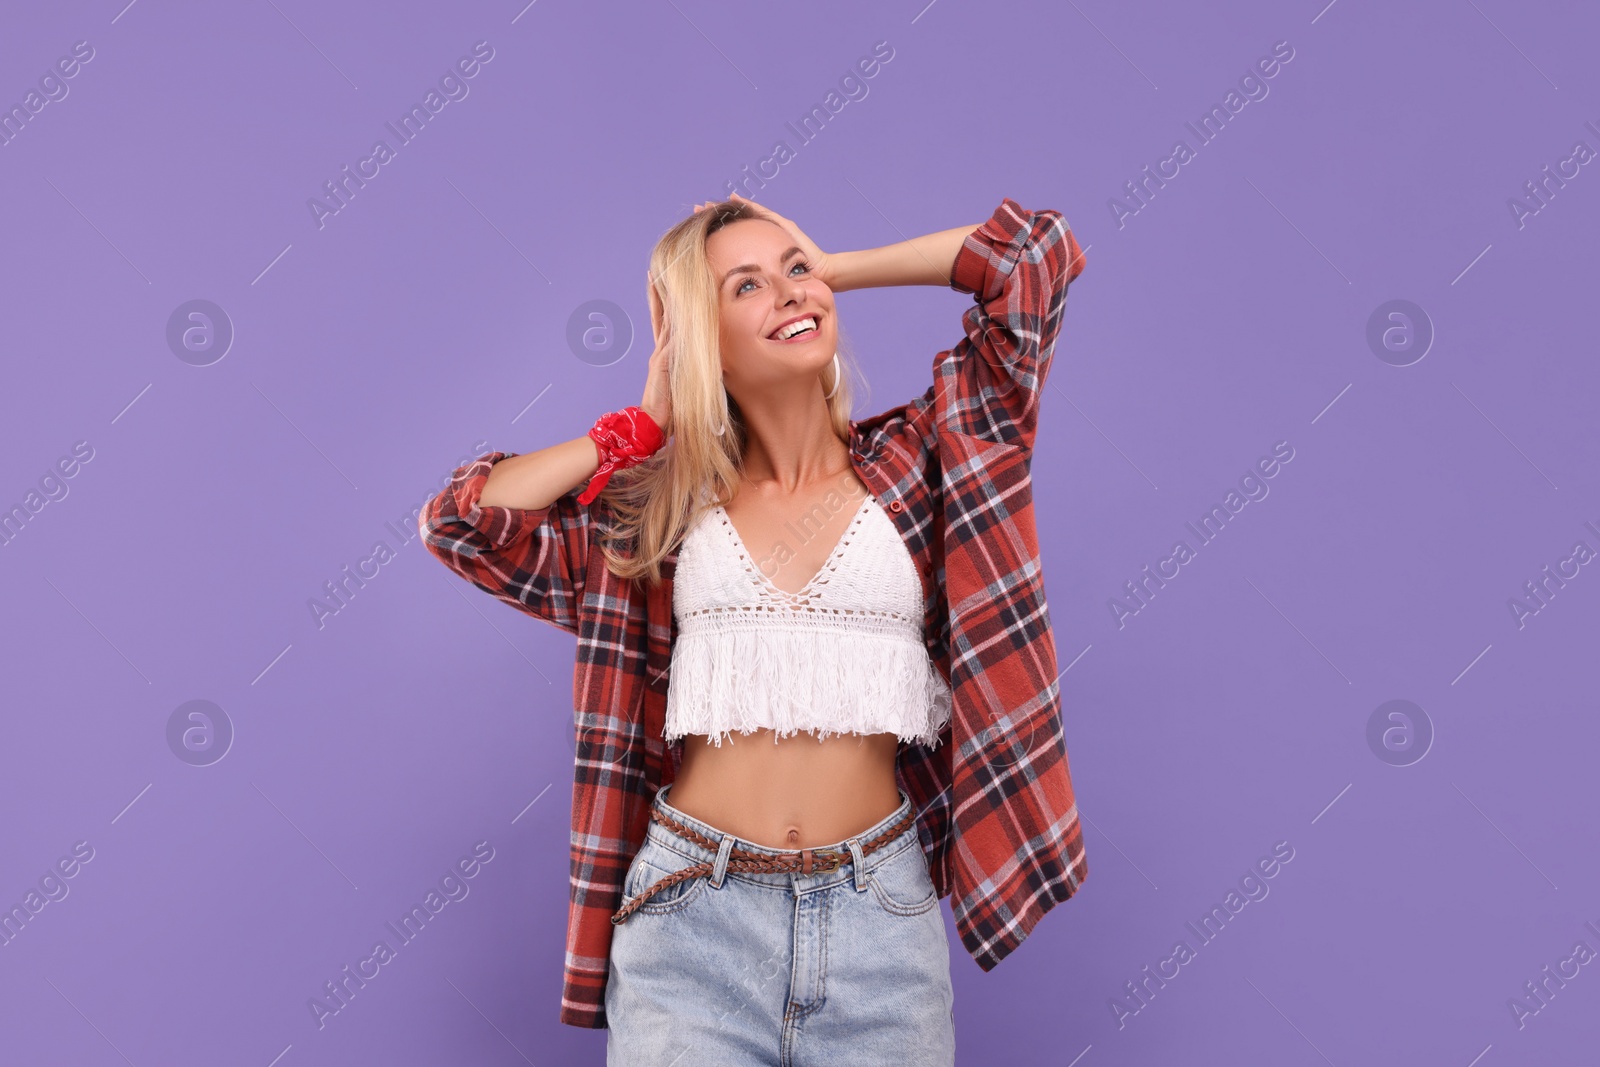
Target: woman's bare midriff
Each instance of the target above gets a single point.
(793, 793)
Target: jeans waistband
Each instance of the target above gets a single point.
(662, 835)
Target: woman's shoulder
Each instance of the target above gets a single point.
(909, 426)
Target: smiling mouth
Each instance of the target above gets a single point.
(806, 327)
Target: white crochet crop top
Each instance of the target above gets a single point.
(843, 655)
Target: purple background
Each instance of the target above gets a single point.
(428, 320)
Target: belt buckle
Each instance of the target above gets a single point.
(830, 859)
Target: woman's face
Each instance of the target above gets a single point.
(763, 284)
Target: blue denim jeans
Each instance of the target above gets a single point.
(851, 966)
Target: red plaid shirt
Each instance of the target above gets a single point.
(996, 814)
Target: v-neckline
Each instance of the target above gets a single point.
(827, 564)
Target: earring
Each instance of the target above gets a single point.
(837, 374)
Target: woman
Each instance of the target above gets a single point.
(816, 689)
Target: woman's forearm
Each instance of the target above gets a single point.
(925, 260)
(537, 480)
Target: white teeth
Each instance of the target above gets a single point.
(799, 326)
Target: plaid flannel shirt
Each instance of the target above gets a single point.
(996, 814)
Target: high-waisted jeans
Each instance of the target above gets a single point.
(851, 966)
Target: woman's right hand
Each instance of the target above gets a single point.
(657, 401)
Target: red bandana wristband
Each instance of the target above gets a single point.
(625, 438)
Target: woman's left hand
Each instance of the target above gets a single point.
(821, 263)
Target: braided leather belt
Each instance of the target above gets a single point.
(803, 861)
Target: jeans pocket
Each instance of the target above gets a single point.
(902, 885)
(652, 863)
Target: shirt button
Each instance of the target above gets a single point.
(896, 506)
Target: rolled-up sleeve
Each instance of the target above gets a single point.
(533, 559)
(1017, 265)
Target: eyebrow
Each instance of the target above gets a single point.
(751, 268)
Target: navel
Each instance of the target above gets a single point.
(794, 835)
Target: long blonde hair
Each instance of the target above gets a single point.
(655, 502)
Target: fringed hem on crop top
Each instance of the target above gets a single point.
(844, 655)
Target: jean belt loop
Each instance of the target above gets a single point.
(858, 861)
(720, 867)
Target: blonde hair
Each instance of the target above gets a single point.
(655, 502)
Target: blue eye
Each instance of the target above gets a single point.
(797, 263)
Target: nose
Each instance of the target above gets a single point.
(791, 291)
